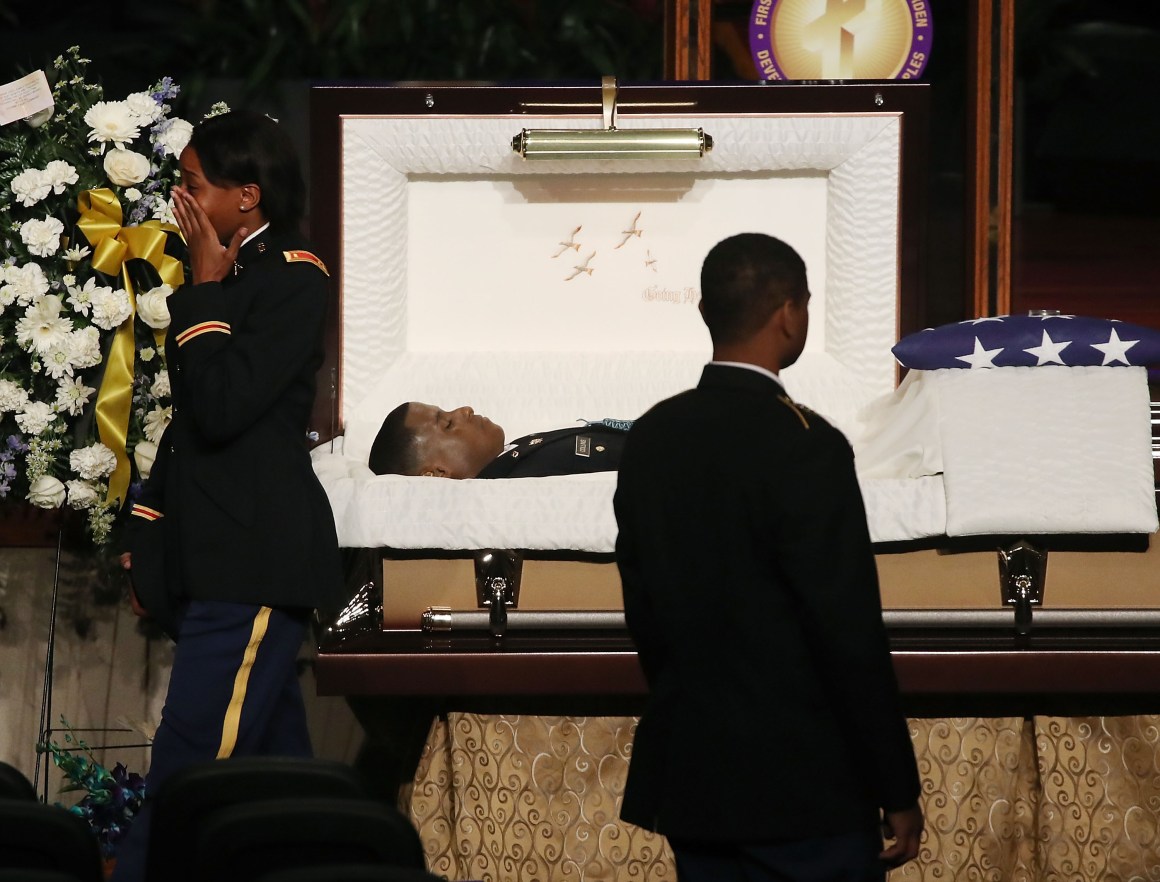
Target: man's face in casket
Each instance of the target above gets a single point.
(453, 443)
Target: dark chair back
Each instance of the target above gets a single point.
(13, 784)
(46, 837)
(241, 843)
(36, 876)
(190, 796)
(348, 873)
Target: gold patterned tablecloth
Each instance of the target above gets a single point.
(1047, 799)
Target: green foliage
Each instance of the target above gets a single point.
(389, 40)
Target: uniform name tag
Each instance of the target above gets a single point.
(583, 445)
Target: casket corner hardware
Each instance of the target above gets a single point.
(497, 586)
(1022, 574)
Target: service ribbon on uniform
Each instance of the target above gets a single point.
(113, 247)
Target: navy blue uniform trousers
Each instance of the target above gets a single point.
(850, 857)
(233, 692)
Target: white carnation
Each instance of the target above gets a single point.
(170, 139)
(125, 167)
(112, 121)
(12, 396)
(35, 417)
(23, 284)
(85, 347)
(156, 421)
(43, 327)
(152, 307)
(42, 236)
(47, 492)
(30, 186)
(110, 307)
(93, 462)
(82, 495)
(61, 175)
(144, 107)
(72, 395)
(161, 387)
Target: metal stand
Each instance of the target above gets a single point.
(46, 727)
(49, 664)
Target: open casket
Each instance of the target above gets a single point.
(1012, 507)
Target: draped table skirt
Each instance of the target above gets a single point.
(508, 797)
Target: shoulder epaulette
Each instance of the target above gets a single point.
(307, 257)
(784, 399)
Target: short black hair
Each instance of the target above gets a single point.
(744, 280)
(246, 147)
(394, 451)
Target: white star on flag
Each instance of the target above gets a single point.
(980, 358)
(1115, 349)
(979, 321)
(1048, 351)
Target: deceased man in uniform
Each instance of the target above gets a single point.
(422, 439)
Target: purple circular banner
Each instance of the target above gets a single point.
(840, 39)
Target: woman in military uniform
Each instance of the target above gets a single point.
(232, 543)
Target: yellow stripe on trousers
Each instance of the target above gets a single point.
(241, 680)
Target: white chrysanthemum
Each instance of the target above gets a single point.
(152, 307)
(145, 107)
(110, 307)
(42, 236)
(30, 186)
(132, 195)
(23, 284)
(161, 387)
(112, 121)
(12, 396)
(35, 417)
(170, 138)
(147, 353)
(43, 327)
(163, 211)
(93, 462)
(156, 421)
(126, 167)
(72, 396)
(47, 492)
(75, 254)
(82, 495)
(85, 347)
(81, 299)
(57, 361)
(61, 175)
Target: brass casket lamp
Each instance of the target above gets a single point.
(611, 142)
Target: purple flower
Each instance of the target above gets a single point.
(165, 90)
(15, 442)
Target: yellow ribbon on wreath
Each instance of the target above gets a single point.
(114, 245)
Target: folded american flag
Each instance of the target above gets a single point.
(1030, 341)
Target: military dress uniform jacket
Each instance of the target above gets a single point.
(751, 592)
(573, 451)
(232, 510)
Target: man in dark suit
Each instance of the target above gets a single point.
(421, 439)
(772, 745)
